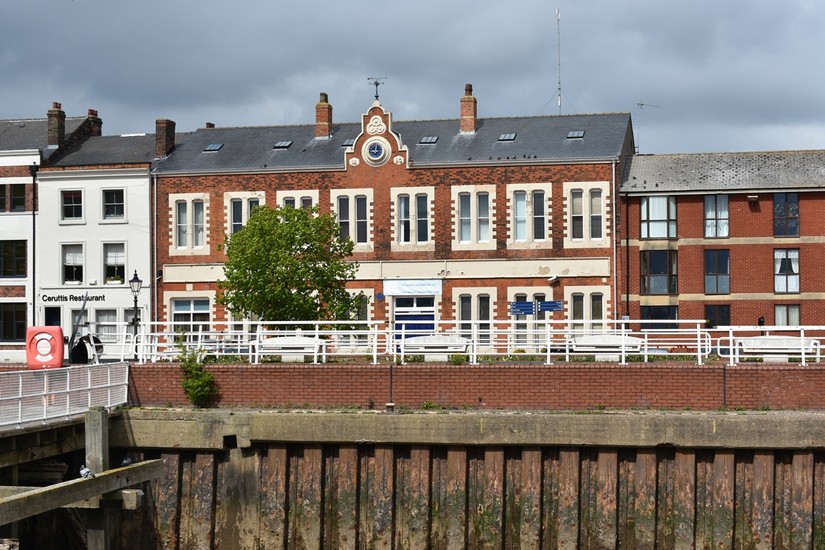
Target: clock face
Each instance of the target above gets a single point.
(375, 150)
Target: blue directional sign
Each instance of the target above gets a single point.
(552, 305)
(522, 308)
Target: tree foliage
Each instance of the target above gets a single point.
(288, 264)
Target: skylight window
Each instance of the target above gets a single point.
(282, 145)
(575, 134)
(428, 139)
(507, 137)
(348, 142)
(212, 147)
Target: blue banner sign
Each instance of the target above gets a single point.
(551, 306)
(522, 308)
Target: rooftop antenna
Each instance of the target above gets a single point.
(641, 105)
(376, 81)
(558, 40)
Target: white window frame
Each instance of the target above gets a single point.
(64, 264)
(528, 216)
(353, 196)
(415, 218)
(72, 220)
(247, 202)
(476, 296)
(107, 249)
(103, 205)
(591, 218)
(183, 234)
(591, 321)
(475, 239)
(169, 299)
(110, 325)
(296, 198)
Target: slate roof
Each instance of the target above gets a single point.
(538, 139)
(24, 134)
(103, 150)
(732, 172)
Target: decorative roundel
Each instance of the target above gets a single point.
(376, 151)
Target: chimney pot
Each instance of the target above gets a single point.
(210, 124)
(323, 117)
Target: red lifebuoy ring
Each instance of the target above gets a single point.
(44, 347)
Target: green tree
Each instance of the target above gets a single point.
(288, 264)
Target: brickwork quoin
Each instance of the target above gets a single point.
(580, 386)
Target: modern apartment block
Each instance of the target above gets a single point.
(451, 219)
(733, 238)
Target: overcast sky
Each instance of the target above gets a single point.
(710, 75)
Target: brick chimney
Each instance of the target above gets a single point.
(468, 111)
(57, 125)
(164, 137)
(95, 123)
(323, 118)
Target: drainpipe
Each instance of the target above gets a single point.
(627, 253)
(614, 261)
(154, 246)
(33, 170)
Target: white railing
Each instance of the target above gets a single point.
(32, 396)
(476, 341)
(746, 343)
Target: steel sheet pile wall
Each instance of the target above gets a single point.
(433, 496)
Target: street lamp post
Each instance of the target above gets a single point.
(135, 284)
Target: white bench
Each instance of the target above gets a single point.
(776, 347)
(435, 347)
(290, 348)
(605, 343)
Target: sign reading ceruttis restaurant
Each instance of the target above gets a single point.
(73, 298)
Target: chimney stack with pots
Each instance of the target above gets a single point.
(95, 123)
(468, 111)
(323, 118)
(57, 125)
(164, 137)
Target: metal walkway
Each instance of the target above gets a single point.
(42, 396)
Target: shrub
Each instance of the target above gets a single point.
(198, 384)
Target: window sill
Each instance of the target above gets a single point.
(113, 221)
(71, 283)
(72, 222)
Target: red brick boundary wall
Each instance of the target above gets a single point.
(500, 386)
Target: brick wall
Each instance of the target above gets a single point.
(508, 386)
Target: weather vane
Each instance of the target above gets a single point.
(376, 81)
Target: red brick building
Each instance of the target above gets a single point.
(734, 238)
(451, 219)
